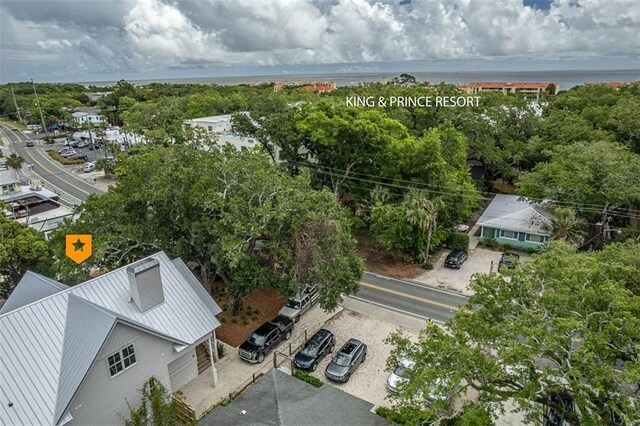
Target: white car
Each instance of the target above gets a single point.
(89, 167)
(398, 376)
(300, 303)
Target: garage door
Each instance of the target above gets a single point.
(183, 370)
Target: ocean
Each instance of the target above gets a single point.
(566, 78)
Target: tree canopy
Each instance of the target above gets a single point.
(230, 214)
(565, 323)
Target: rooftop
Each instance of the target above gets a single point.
(513, 213)
(280, 399)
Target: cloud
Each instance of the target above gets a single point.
(144, 35)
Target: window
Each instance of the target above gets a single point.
(210, 128)
(508, 234)
(534, 238)
(121, 360)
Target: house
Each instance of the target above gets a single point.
(279, 399)
(511, 220)
(81, 354)
(81, 117)
(9, 180)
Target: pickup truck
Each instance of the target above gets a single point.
(300, 303)
(265, 338)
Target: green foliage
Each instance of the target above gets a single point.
(239, 224)
(306, 377)
(222, 351)
(458, 240)
(594, 173)
(156, 406)
(64, 161)
(565, 321)
(21, 249)
(14, 161)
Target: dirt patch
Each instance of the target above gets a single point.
(260, 306)
(380, 261)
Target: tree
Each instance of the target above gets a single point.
(565, 225)
(423, 213)
(239, 224)
(156, 406)
(560, 323)
(586, 174)
(15, 162)
(21, 249)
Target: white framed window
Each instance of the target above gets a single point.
(121, 360)
(535, 238)
(508, 234)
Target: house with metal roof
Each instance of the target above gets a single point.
(511, 220)
(81, 354)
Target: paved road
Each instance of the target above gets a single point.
(71, 188)
(415, 299)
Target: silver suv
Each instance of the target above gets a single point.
(348, 358)
(300, 303)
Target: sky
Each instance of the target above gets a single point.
(90, 40)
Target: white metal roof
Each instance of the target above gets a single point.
(9, 177)
(48, 346)
(511, 213)
(32, 287)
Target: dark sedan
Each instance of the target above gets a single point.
(316, 348)
(508, 260)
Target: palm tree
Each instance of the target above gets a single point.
(566, 226)
(15, 162)
(423, 213)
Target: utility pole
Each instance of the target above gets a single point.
(15, 103)
(44, 125)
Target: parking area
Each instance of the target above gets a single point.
(369, 380)
(480, 260)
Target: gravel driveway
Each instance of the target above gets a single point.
(369, 380)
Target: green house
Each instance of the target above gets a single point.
(511, 220)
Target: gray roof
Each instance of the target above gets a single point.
(280, 399)
(513, 213)
(9, 176)
(32, 287)
(48, 346)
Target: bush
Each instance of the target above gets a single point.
(222, 351)
(459, 240)
(60, 159)
(507, 247)
(427, 266)
(314, 381)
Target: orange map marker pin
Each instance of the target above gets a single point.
(78, 247)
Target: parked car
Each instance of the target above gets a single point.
(456, 258)
(78, 156)
(345, 362)
(265, 338)
(69, 153)
(63, 150)
(71, 142)
(508, 260)
(83, 144)
(399, 375)
(15, 129)
(300, 303)
(30, 143)
(316, 348)
(89, 167)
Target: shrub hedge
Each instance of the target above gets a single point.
(314, 381)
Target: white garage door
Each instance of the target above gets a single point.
(183, 370)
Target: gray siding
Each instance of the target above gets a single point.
(102, 399)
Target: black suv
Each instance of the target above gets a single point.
(348, 358)
(456, 258)
(508, 260)
(319, 345)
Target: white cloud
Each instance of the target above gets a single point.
(156, 34)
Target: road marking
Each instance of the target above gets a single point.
(418, 284)
(32, 157)
(409, 296)
(391, 308)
